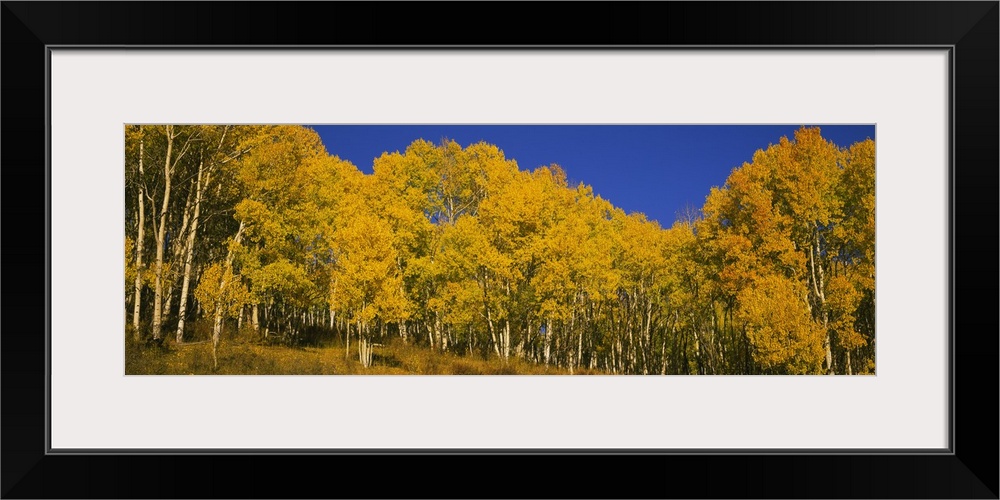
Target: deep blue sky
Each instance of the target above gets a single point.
(654, 169)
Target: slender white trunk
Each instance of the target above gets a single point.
(613, 359)
(439, 334)
(444, 336)
(219, 306)
(648, 337)
(817, 279)
(168, 294)
(255, 318)
(161, 234)
(493, 333)
(663, 355)
(631, 350)
(519, 351)
(176, 254)
(548, 340)
(347, 343)
(472, 340)
(506, 339)
(361, 350)
(189, 254)
(402, 292)
(620, 357)
(138, 247)
(364, 346)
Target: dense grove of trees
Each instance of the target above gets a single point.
(458, 249)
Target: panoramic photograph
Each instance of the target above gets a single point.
(499, 249)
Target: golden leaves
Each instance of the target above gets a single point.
(802, 211)
(780, 257)
(778, 323)
(219, 288)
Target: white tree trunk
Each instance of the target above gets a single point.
(439, 341)
(138, 247)
(220, 306)
(506, 339)
(178, 253)
(161, 234)
(347, 342)
(364, 346)
(663, 355)
(216, 330)
(493, 334)
(443, 336)
(818, 288)
(255, 318)
(548, 340)
(648, 337)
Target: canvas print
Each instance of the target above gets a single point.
(499, 249)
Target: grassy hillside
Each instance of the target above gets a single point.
(245, 357)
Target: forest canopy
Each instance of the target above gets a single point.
(258, 234)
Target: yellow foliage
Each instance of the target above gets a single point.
(457, 240)
(130, 270)
(777, 322)
(369, 282)
(220, 288)
(843, 303)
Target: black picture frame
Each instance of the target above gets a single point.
(969, 470)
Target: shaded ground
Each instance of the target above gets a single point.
(248, 358)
